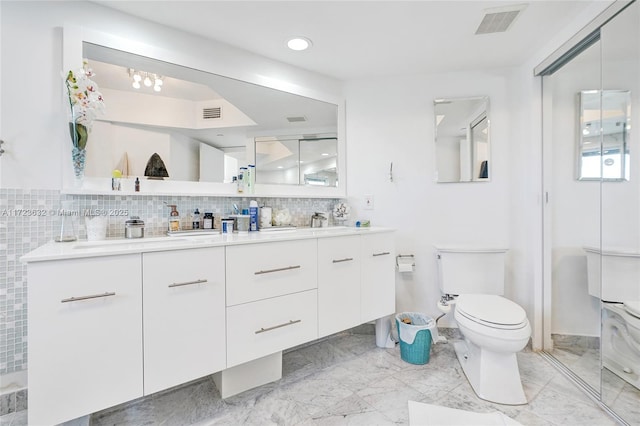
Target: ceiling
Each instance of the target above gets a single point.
(361, 39)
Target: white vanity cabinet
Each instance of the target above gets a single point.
(378, 289)
(183, 316)
(338, 284)
(85, 336)
(114, 322)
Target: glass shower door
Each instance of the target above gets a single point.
(572, 228)
(620, 388)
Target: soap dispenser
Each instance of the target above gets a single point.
(196, 219)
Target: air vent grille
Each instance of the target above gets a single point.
(212, 113)
(297, 119)
(498, 20)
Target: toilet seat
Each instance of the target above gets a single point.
(492, 311)
(632, 308)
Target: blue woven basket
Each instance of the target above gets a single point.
(417, 352)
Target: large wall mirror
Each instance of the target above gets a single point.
(205, 127)
(604, 126)
(462, 139)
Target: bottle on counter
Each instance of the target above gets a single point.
(250, 180)
(196, 220)
(241, 176)
(253, 213)
(137, 185)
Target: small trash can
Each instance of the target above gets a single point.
(414, 336)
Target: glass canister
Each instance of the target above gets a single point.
(68, 229)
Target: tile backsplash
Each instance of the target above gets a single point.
(31, 218)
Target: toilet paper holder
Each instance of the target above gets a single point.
(404, 259)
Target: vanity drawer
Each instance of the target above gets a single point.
(261, 328)
(260, 271)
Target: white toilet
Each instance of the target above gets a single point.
(494, 328)
(620, 296)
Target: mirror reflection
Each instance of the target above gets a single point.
(462, 139)
(297, 160)
(202, 125)
(603, 149)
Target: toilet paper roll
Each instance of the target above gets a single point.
(405, 267)
(444, 308)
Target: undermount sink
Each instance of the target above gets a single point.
(324, 229)
(84, 245)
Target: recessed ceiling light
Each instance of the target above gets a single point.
(324, 154)
(299, 43)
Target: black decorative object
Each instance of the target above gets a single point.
(155, 168)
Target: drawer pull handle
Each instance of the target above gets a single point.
(93, 296)
(384, 253)
(346, 259)
(268, 271)
(291, 322)
(188, 283)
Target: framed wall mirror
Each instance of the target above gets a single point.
(204, 126)
(603, 130)
(462, 139)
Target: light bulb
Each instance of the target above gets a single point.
(136, 85)
(157, 88)
(136, 77)
(299, 43)
(158, 81)
(147, 81)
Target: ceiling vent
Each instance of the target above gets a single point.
(212, 113)
(499, 19)
(297, 119)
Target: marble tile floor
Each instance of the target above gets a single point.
(347, 380)
(620, 396)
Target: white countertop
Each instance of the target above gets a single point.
(79, 249)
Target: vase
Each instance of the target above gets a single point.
(79, 136)
(79, 157)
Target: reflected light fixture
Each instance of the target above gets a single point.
(147, 78)
(299, 43)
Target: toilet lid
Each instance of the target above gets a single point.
(633, 308)
(492, 309)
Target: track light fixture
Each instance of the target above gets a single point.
(147, 78)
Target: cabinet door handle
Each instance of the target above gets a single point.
(93, 296)
(346, 259)
(384, 253)
(188, 283)
(268, 271)
(291, 322)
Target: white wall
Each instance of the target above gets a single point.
(424, 212)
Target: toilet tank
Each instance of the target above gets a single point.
(471, 270)
(613, 275)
